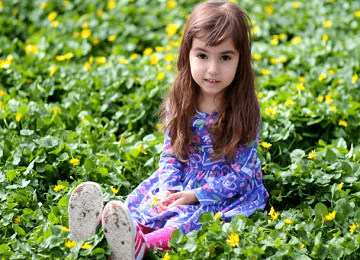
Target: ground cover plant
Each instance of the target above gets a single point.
(80, 84)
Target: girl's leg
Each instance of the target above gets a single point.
(159, 238)
(85, 210)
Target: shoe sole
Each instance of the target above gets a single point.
(85, 210)
(119, 230)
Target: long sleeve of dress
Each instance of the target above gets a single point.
(238, 181)
(170, 168)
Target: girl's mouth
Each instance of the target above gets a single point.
(212, 82)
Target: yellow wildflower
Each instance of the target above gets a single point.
(289, 102)
(58, 187)
(85, 33)
(282, 60)
(325, 38)
(17, 220)
(270, 111)
(100, 13)
(301, 245)
(100, 60)
(148, 51)
(54, 24)
(265, 167)
(296, 40)
(331, 71)
(91, 59)
(53, 70)
(169, 57)
(111, 4)
(1, 105)
(256, 56)
(333, 108)
(329, 216)
(275, 215)
(279, 196)
(84, 120)
(295, 5)
(327, 23)
(282, 36)
(269, 9)
(357, 13)
(322, 76)
(95, 41)
(60, 57)
(233, 239)
(152, 204)
(112, 38)
(87, 66)
(217, 215)
(265, 72)
(52, 16)
(273, 61)
(153, 59)
(171, 4)
(168, 47)
(288, 221)
(328, 98)
(123, 61)
(42, 6)
(57, 111)
(31, 49)
(86, 246)
(260, 95)
(265, 144)
(160, 76)
(141, 149)
(85, 25)
(354, 78)
(352, 228)
(255, 29)
(343, 123)
(133, 56)
(171, 29)
(137, 79)
(65, 3)
(274, 42)
(70, 244)
(75, 162)
(18, 117)
(300, 86)
(115, 191)
(155, 198)
(302, 79)
(166, 257)
(159, 48)
(312, 155)
(64, 229)
(340, 185)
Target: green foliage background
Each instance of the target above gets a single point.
(306, 56)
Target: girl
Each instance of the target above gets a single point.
(209, 163)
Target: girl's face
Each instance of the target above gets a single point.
(211, 64)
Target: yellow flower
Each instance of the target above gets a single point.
(17, 220)
(76, 34)
(301, 245)
(85, 33)
(133, 56)
(160, 76)
(327, 24)
(166, 257)
(288, 221)
(270, 111)
(31, 49)
(58, 187)
(169, 57)
(273, 61)
(84, 120)
(112, 38)
(217, 215)
(168, 47)
(100, 60)
(75, 162)
(55, 24)
(171, 29)
(352, 228)
(87, 66)
(86, 246)
(260, 95)
(255, 29)
(331, 71)
(152, 204)
(2, 93)
(322, 76)
(265, 144)
(100, 13)
(137, 79)
(333, 108)
(53, 70)
(18, 117)
(340, 185)
(171, 4)
(111, 4)
(295, 5)
(289, 102)
(141, 149)
(275, 215)
(343, 123)
(155, 198)
(279, 196)
(357, 13)
(65, 229)
(328, 98)
(274, 42)
(300, 86)
(296, 40)
(302, 79)
(70, 244)
(153, 59)
(57, 111)
(148, 51)
(329, 216)
(60, 57)
(91, 59)
(312, 155)
(325, 38)
(85, 25)
(123, 61)
(65, 3)
(354, 78)
(1, 105)
(233, 239)
(95, 41)
(42, 6)
(269, 9)
(52, 16)
(159, 49)
(256, 56)
(265, 167)
(282, 36)
(265, 72)
(115, 191)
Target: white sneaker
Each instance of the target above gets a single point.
(85, 210)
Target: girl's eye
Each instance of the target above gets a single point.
(201, 56)
(226, 57)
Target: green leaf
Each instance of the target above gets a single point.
(63, 157)
(26, 132)
(320, 210)
(89, 164)
(296, 156)
(331, 156)
(48, 142)
(18, 229)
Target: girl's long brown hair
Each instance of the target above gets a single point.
(238, 116)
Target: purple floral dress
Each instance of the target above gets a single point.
(230, 188)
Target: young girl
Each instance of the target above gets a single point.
(209, 162)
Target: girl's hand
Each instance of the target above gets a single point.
(180, 198)
(162, 197)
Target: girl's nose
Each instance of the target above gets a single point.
(213, 67)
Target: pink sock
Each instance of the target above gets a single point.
(159, 238)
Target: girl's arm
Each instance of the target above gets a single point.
(239, 181)
(170, 168)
